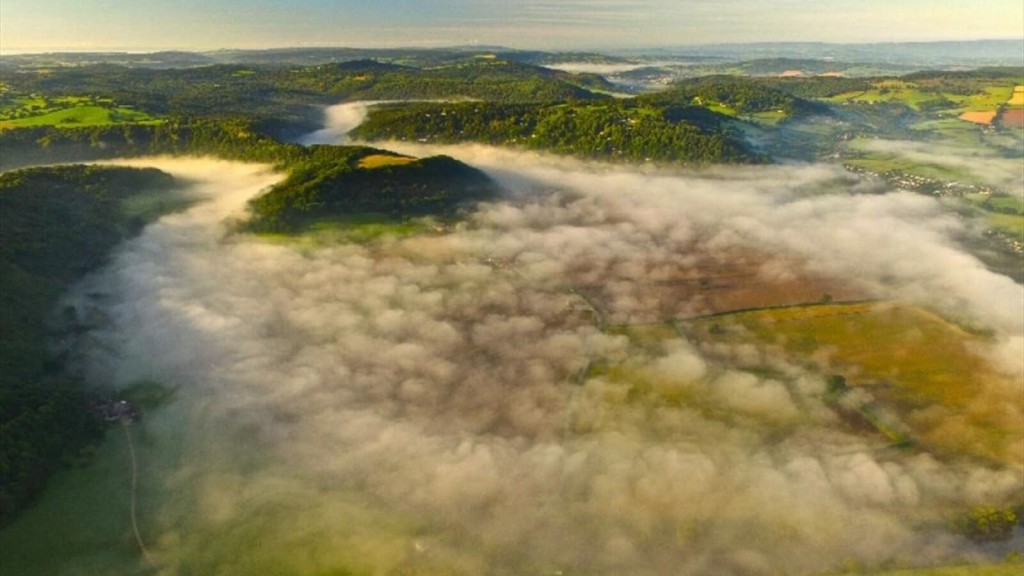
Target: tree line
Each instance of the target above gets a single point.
(58, 224)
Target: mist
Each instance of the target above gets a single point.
(338, 122)
(597, 68)
(977, 164)
(423, 404)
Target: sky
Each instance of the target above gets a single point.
(143, 25)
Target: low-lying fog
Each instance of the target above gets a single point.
(415, 404)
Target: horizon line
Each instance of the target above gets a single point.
(20, 51)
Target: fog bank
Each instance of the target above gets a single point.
(431, 403)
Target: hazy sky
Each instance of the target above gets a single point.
(546, 24)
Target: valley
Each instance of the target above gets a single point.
(528, 329)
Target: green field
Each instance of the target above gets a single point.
(881, 163)
(354, 229)
(19, 111)
(82, 525)
(917, 97)
(1003, 203)
(83, 116)
(1011, 223)
(720, 108)
(769, 118)
(892, 91)
(990, 98)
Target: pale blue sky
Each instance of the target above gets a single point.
(35, 25)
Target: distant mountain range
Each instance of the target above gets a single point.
(915, 54)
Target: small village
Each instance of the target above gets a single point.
(118, 411)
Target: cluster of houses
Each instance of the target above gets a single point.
(119, 411)
(923, 184)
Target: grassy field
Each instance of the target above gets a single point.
(82, 524)
(892, 91)
(1011, 223)
(378, 160)
(990, 98)
(881, 163)
(954, 116)
(82, 116)
(355, 229)
(82, 527)
(769, 118)
(17, 111)
(1006, 203)
(720, 108)
(1001, 206)
(922, 366)
(951, 129)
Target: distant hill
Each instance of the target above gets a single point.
(991, 52)
(996, 52)
(626, 130)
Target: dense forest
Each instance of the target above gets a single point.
(285, 100)
(618, 130)
(322, 180)
(391, 186)
(743, 95)
(58, 224)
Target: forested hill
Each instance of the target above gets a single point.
(387, 185)
(629, 130)
(57, 224)
(285, 99)
(738, 94)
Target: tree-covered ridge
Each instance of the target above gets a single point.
(615, 129)
(235, 138)
(322, 180)
(58, 223)
(740, 94)
(392, 186)
(286, 97)
(490, 80)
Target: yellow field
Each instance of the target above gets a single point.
(379, 160)
(1018, 97)
(932, 373)
(985, 117)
